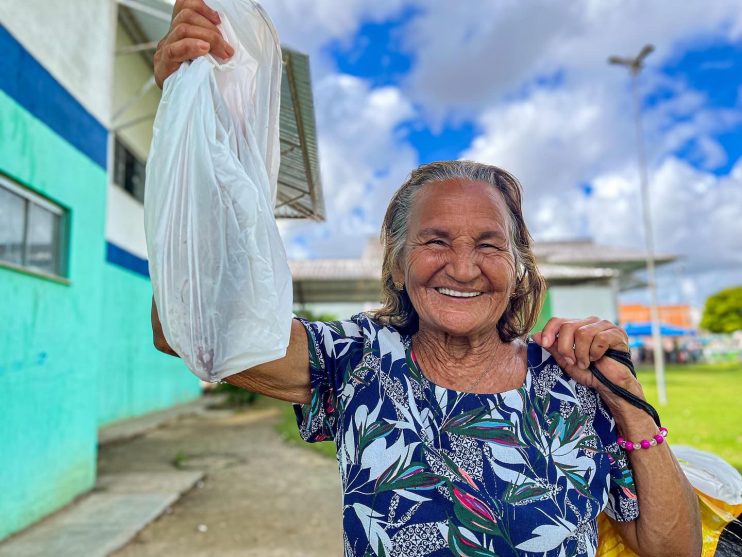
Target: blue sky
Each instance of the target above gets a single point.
(377, 53)
(526, 86)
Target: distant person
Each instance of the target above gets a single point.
(456, 432)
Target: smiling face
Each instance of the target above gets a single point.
(458, 267)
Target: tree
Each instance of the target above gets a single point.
(723, 311)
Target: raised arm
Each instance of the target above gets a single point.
(284, 379)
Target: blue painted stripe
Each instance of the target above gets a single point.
(127, 260)
(27, 82)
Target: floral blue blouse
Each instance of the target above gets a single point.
(433, 471)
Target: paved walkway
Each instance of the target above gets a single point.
(260, 496)
(222, 483)
(105, 519)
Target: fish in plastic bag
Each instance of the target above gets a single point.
(220, 277)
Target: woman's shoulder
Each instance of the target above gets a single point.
(361, 326)
(348, 342)
(541, 362)
(379, 336)
(549, 378)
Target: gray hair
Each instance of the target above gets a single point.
(527, 297)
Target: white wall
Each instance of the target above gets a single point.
(125, 222)
(125, 217)
(582, 301)
(73, 40)
(131, 72)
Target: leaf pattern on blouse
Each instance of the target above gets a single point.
(433, 471)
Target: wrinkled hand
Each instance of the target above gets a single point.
(575, 343)
(192, 33)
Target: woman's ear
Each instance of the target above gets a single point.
(398, 278)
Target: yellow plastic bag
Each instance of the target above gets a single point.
(719, 490)
(715, 516)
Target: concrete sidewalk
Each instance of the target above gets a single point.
(119, 506)
(223, 483)
(104, 520)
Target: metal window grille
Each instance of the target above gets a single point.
(128, 171)
(32, 230)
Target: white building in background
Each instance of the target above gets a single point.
(583, 279)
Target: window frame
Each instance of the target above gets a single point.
(61, 238)
(120, 144)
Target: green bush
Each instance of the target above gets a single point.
(236, 397)
(309, 315)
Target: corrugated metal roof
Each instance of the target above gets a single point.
(299, 184)
(335, 269)
(327, 280)
(360, 269)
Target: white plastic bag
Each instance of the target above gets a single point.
(219, 273)
(710, 474)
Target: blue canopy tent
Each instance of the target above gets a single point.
(645, 330)
(635, 343)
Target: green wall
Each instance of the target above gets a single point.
(134, 377)
(73, 356)
(545, 314)
(48, 348)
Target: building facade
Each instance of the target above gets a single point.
(77, 101)
(76, 350)
(675, 315)
(583, 279)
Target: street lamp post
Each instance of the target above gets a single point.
(635, 66)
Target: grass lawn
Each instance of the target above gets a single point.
(704, 410)
(704, 407)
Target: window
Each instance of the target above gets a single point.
(128, 171)
(32, 230)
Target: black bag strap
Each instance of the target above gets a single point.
(625, 359)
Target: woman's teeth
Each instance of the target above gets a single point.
(457, 294)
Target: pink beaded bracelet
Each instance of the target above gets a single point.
(644, 443)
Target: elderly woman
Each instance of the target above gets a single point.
(456, 432)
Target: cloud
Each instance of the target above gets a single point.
(709, 152)
(695, 215)
(363, 160)
(555, 141)
(533, 78)
(467, 59)
(309, 25)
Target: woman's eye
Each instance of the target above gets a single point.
(435, 243)
(492, 247)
